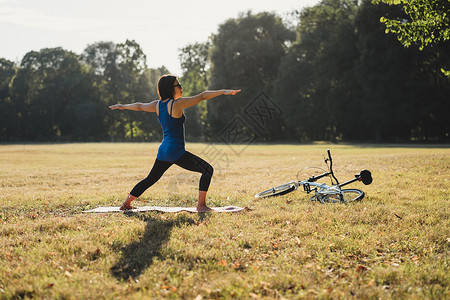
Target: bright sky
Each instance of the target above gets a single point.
(160, 27)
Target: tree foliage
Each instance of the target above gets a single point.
(333, 74)
(427, 22)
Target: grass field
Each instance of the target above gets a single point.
(393, 244)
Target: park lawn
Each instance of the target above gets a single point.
(393, 244)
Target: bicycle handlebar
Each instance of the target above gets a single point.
(331, 165)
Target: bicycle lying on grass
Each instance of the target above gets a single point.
(322, 192)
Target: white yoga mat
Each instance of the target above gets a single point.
(163, 209)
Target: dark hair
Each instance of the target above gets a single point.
(165, 86)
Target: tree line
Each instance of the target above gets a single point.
(334, 75)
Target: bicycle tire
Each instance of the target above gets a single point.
(279, 190)
(350, 195)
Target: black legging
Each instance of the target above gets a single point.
(188, 161)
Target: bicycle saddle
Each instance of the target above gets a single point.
(366, 177)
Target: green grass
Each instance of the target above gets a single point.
(393, 244)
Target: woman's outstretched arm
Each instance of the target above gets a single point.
(138, 106)
(185, 102)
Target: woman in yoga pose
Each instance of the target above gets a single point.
(172, 149)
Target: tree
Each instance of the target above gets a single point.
(118, 69)
(131, 65)
(384, 73)
(194, 59)
(100, 60)
(402, 93)
(48, 91)
(246, 54)
(8, 113)
(316, 77)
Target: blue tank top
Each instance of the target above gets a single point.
(172, 146)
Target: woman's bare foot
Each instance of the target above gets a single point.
(127, 207)
(203, 208)
(127, 204)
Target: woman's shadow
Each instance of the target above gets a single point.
(139, 255)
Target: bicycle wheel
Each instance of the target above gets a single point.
(349, 195)
(278, 190)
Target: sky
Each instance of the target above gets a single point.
(160, 27)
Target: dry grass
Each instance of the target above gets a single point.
(393, 244)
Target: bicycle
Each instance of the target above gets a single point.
(322, 192)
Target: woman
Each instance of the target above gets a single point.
(172, 151)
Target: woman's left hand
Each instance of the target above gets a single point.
(231, 92)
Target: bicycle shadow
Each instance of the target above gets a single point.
(139, 255)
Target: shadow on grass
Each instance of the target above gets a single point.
(139, 255)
